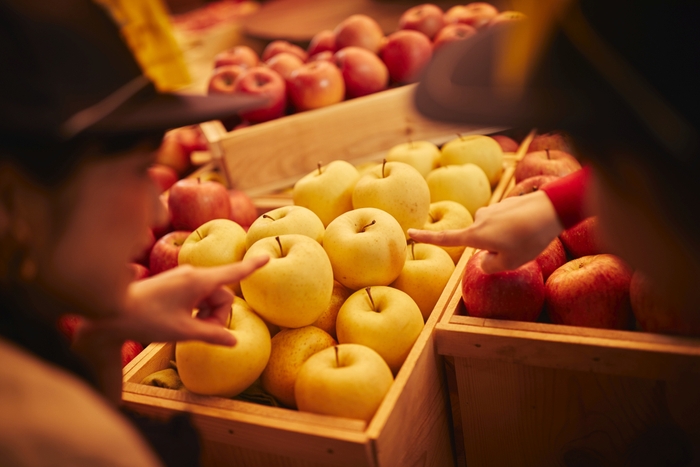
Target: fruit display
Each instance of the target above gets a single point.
(341, 275)
(352, 60)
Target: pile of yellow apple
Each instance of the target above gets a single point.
(328, 322)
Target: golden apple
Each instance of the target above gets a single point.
(219, 370)
(295, 286)
(382, 318)
(424, 156)
(366, 247)
(285, 220)
(467, 184)
(327, 319)
(481, 150)
(290, 349)
(347, 380)
(449, 215)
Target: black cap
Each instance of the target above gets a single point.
(603, 71)
(66, 71)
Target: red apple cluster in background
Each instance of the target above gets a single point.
(352, 60)
(574, 281)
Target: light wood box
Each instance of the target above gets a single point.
(540, 394)
(412, 426)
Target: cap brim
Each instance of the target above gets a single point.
(158, 112)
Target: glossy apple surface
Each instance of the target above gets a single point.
(551, 258)
(448, 215)
(546, 162)
(286, 220)
(476, 14)
(591, 291)
(530, 185)
(191, 203)
(166, 250)
(507, 143)
(279, 46)
(315, 85)
(480, 150)
(582, 239)
(262, 82)
(163, 176)
(241, 55)
(466, 184)
(359, 31)
(515, 295)
(405, 54)
(347, 380)
(553, 140)
(423, 156)
(452, 33)
(322, 41)
(426, 18)
(284, 63)
(243, 210)
(363, 72)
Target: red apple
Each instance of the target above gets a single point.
(163, 176)
(191, 138)
(426, 18)
(192, 203)
(507, 143)
(516, 295)
(140, 271)
(222, 79)
(239, 55)
(167, 226)
(284, 63)
(165, 251)
(547, 162)
(363, 72)
(323, 41)
(315, 85)
(326, 55)
(591, 291)
(654, 314)
(451, 33)
(405, 54)
(143, 256)
(476, 14)
(551, 258)
(263, 82)
(554, 140)
(243, 210)
(130, 349)
(530, 185)
(582, 239)
(506, 17)
(279, 46)
(177, 146)
(359, 31)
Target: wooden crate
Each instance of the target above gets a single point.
(540, 394)
(411, 427)
(269, 156)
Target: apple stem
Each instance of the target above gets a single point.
(371, 223)
(369, 294)
(319, 168)
(547, 151)
(199, 180)
(279, 242)
(413, 249)
(199, 234)
(230, 316)
(460, 136)
(337, 359)
(383, 165)
(268, 217)
(432, 219)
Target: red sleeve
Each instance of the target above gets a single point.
(566, 194)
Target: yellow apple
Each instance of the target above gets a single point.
(425, 275)
(396, 188)
(219, 370)
(466, 184)
(347, 380)
(327, 191)
(295, 286)
(449, 215)
(481, 150)
(382, 318)
(290, 349)
(285, 220)
(424, 156)
(366, 247)
(214, 243)
(327, 319)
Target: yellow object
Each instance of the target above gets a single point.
(147, 30)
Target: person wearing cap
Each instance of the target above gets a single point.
(79, 124)
(623, 82)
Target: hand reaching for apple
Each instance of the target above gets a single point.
(513, 231)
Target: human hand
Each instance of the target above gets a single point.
(160, 308)
(513, 231)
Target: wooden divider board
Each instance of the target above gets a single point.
(269, 156)
(534, 394)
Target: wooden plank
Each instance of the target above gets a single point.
(516, 414)
(273, 155)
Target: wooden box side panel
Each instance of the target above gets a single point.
(514, 414)
(273, 155)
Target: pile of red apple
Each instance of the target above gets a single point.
(354, 59)
(573, 281)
